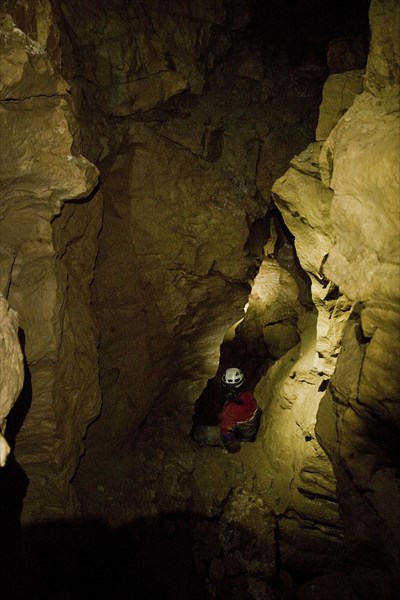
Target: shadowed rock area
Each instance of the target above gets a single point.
(186, 187)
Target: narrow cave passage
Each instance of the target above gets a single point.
(183, 498)
(182, 221)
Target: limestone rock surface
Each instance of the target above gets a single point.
(189, 125)
(368, 272)
(339, 92)
(183, 186)
(11, 370)
(128, 73)
(358, 266)
(26, 68)
(46, 273)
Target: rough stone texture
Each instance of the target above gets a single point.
(183, 184)
(47, 256)
(346, 54)
(169, 53)
(302, 482)
(53, 246)
(175, 303)
(222, 498)
(338, 95)
(366, 137)
(190, 124)
(27, 69)
(273, 311)
(364, 262)
(11, 370)
(384, 57)
(246, 532)
(305, 204)
(358, 419)
(366, 266)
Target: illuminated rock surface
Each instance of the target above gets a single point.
(137, 234)
(11, 371)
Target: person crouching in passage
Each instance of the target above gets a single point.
(241, 415)
(239, 419)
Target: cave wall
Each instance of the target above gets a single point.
(186, 169)
(156, 114)
(351, 175)
(48, 250)
(178, 301)
(365, 404)
(11, 371)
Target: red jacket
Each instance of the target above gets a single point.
(233, 413)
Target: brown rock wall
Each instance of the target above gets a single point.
(11, 371)
(48, 250)
(180, 198)
(365, 263)
(170, 210)
(172, 46)
(383, 68)
(182, 186)
(293, 386)
(358, 419)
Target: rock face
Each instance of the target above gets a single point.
(11, 371)
(138, 234)
(186, 286)
(184, 178)
(361, 160)
(357, 422)
(46, 267)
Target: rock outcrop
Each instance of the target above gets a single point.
(185, 176)
(11, 371)
(356, 170)
(48, 249)
(138, 234)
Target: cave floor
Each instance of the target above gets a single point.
(164, 517)
(140, 479)
(157, 510)
(166, 494)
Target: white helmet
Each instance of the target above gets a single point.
(233, 377)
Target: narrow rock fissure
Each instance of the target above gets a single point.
(219, 210)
